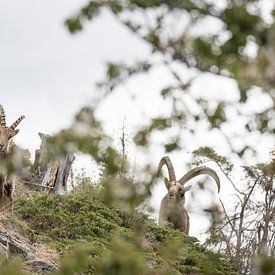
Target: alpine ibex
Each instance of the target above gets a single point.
(6, 134)
(172, 205)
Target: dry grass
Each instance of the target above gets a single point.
(10, 224)
(22, 191)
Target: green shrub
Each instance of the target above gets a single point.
(113, 240)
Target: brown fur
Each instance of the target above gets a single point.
(6, 181)
(172, 208)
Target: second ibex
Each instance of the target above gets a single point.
(172, 208)
(6, 181)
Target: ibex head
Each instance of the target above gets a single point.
(7, 133)
(177, 189)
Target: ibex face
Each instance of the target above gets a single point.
(176, 192)
(172, 205)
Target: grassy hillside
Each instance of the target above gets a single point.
(95, 238)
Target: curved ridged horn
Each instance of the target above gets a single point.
(203, 170)
(2, 117)
(15, 124)
(171, 172)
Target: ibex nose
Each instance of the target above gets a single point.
(171, 194)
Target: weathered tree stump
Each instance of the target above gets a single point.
(50, 175)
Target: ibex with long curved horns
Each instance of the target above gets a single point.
(6, 134)
(172, 205)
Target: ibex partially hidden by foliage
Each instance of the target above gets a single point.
(172, 205)
(6, 134)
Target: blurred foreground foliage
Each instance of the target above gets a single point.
(96, 238)
(190, 39)
(96, 229)
(86, 135)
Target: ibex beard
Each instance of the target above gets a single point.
(6, 181)
(172, 208)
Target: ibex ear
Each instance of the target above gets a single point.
(187, 188)
(167, 183)
(43, 136)
(14, 133)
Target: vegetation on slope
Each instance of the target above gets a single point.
(96, 238)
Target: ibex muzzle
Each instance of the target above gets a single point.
(6, 134)
(172, 205)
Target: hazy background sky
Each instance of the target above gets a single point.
(48, 74)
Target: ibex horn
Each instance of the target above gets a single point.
(171, 172)
(2, 117)
(203, 170)
(15, 124)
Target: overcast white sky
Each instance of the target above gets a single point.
(48, 74)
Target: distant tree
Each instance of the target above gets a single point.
(247, 231)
